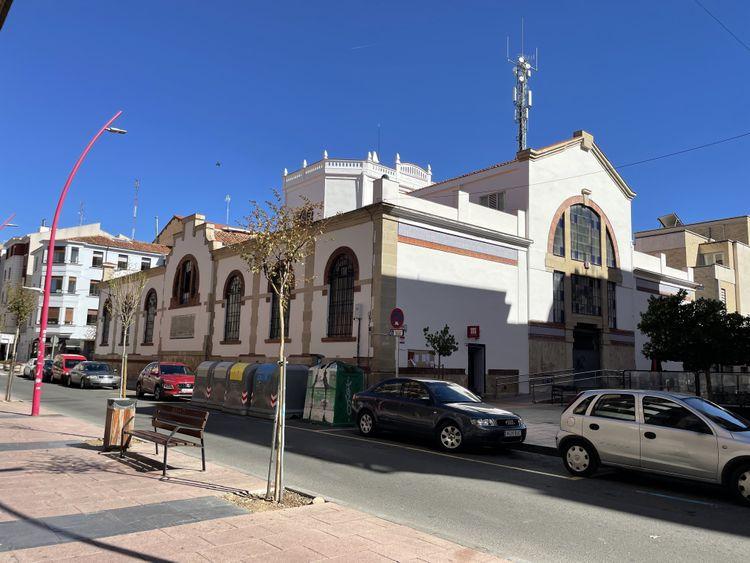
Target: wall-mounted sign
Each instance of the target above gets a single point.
(472, 331)
(182, 326)
(397, 318)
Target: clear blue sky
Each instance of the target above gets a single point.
(259, 86)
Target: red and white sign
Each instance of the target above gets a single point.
(208, 392)
(397, 318)
(244, 397)
(472, 331)
(273, 399)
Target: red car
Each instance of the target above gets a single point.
(165, 380)
(62, 365)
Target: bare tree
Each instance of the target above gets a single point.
(125, 292)
(21, 303)
(281, 238)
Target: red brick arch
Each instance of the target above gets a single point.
(567, 204)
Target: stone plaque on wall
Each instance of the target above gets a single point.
(183, 326)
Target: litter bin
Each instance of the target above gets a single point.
(265, 390)
(215, 392)
(329, 392)
(204, 376)
(120, 416)
(239, 388)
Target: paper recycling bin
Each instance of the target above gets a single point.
(329, 392)
(203, 382)
(239, 388)
(215, 391)
(265, 390)
(120, 416)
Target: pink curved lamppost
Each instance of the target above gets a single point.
(7, 223)
(36, 399)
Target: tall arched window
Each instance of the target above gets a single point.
(341, 275)
(233, 291)
(611, 256)
(106, 322)
(558, 248)
(585, 234)
(185, 285)
(150, 310)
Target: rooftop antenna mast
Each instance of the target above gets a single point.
(523, 64)
(156, 227)
(228, 200)
(81, 214)
(137, 186)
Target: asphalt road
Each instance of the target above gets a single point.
(518, 505)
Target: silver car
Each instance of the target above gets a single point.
(93, 374)
(659, 432)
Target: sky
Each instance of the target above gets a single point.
(260, 86)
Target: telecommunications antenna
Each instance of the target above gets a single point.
(523, 65)
(137, 186)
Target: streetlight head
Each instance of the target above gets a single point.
(116, 130)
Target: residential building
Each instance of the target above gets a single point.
(529, 262)
(79, 265)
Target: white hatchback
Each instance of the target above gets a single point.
(659, 432)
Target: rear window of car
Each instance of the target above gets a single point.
(173, 370)
(617, 406)
(583, 406)
(72, 363)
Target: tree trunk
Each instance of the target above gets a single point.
(281, 408)
(123, 369)
(11, 373)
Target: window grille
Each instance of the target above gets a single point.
(585, 235)
(106, 320)
(275, 330)
(612, 303)
(341, 297)
(558, 297)
(493, 201)
(558, 246)
(586, 299)
(148, 327)
(233, 307)
(611, 257)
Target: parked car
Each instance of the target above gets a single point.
(165, 380)
(29, 368)
(93, 374)
(450, 414)
(658, 432)
(47, 371)
(62, 365)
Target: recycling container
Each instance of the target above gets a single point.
(330, 388)
(120, 416)
(203, 380)
(214, 394)
(239, 388)
(265, 390)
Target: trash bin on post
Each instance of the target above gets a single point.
(265, 390)
(120, 416)
(239, 388)
(202, 384)
(329, 392)
(216, 390)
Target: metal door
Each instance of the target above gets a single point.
(613, 428)
(476, 368)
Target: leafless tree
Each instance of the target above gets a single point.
(21, 304)
(281, 238)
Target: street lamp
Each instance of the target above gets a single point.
(50, 253)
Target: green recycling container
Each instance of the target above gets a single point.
(330, 388)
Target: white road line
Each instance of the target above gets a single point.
(441, 454)
(683, 499)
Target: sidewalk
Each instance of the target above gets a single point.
(62, 497)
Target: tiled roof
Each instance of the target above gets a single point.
(135, 245)
(229, 238)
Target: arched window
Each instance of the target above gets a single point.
(585, 234)
(185, 285)
(106, 322)
(558, 248)
(611, 256)
(150, 309)
(275, 330)
(341, 275)
(233, 291)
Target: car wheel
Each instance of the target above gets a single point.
(138, 390)
(82, 384)
(366, 423)
(580, 458)
(450, 437)
(740, 484)
(157, 393)
(68, 382)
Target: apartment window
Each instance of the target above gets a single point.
(586, 298)
(53, 315)
(558, 297)
(58, 256)
(98, 259)
(57, 284)
(72, 284)
(612, 303)
(122, 262)
(74, 255)
(92, 315)
(611, 259)
(723, 296)
(94, 288)
(148, 328)
(145, 264)
(585, 234)
(69, 315)
(493, 201)
(36, 263)
(233, 291)
(558, 246)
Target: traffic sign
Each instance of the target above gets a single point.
(397, 318)
(396, 332)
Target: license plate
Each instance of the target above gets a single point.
(512, 433)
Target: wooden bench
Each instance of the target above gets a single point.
(179, 422)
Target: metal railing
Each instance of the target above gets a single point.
(557, 386)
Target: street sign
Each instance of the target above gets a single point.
(397, 318)
(396, 332)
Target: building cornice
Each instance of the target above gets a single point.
(659, 277)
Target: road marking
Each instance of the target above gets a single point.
(425, 451)
(683, 499)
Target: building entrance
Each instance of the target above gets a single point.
(476, 368)
(587, 354)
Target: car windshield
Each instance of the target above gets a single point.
(167, 369)
(452, 393)
(722, 417)
(47, 363)
(72, 363)
(96, 366)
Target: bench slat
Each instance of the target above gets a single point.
(158, 438)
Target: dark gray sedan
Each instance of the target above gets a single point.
(93, 374)
(443, 410)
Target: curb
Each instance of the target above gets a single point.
(536, 449)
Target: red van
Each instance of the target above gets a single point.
(62, 365)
